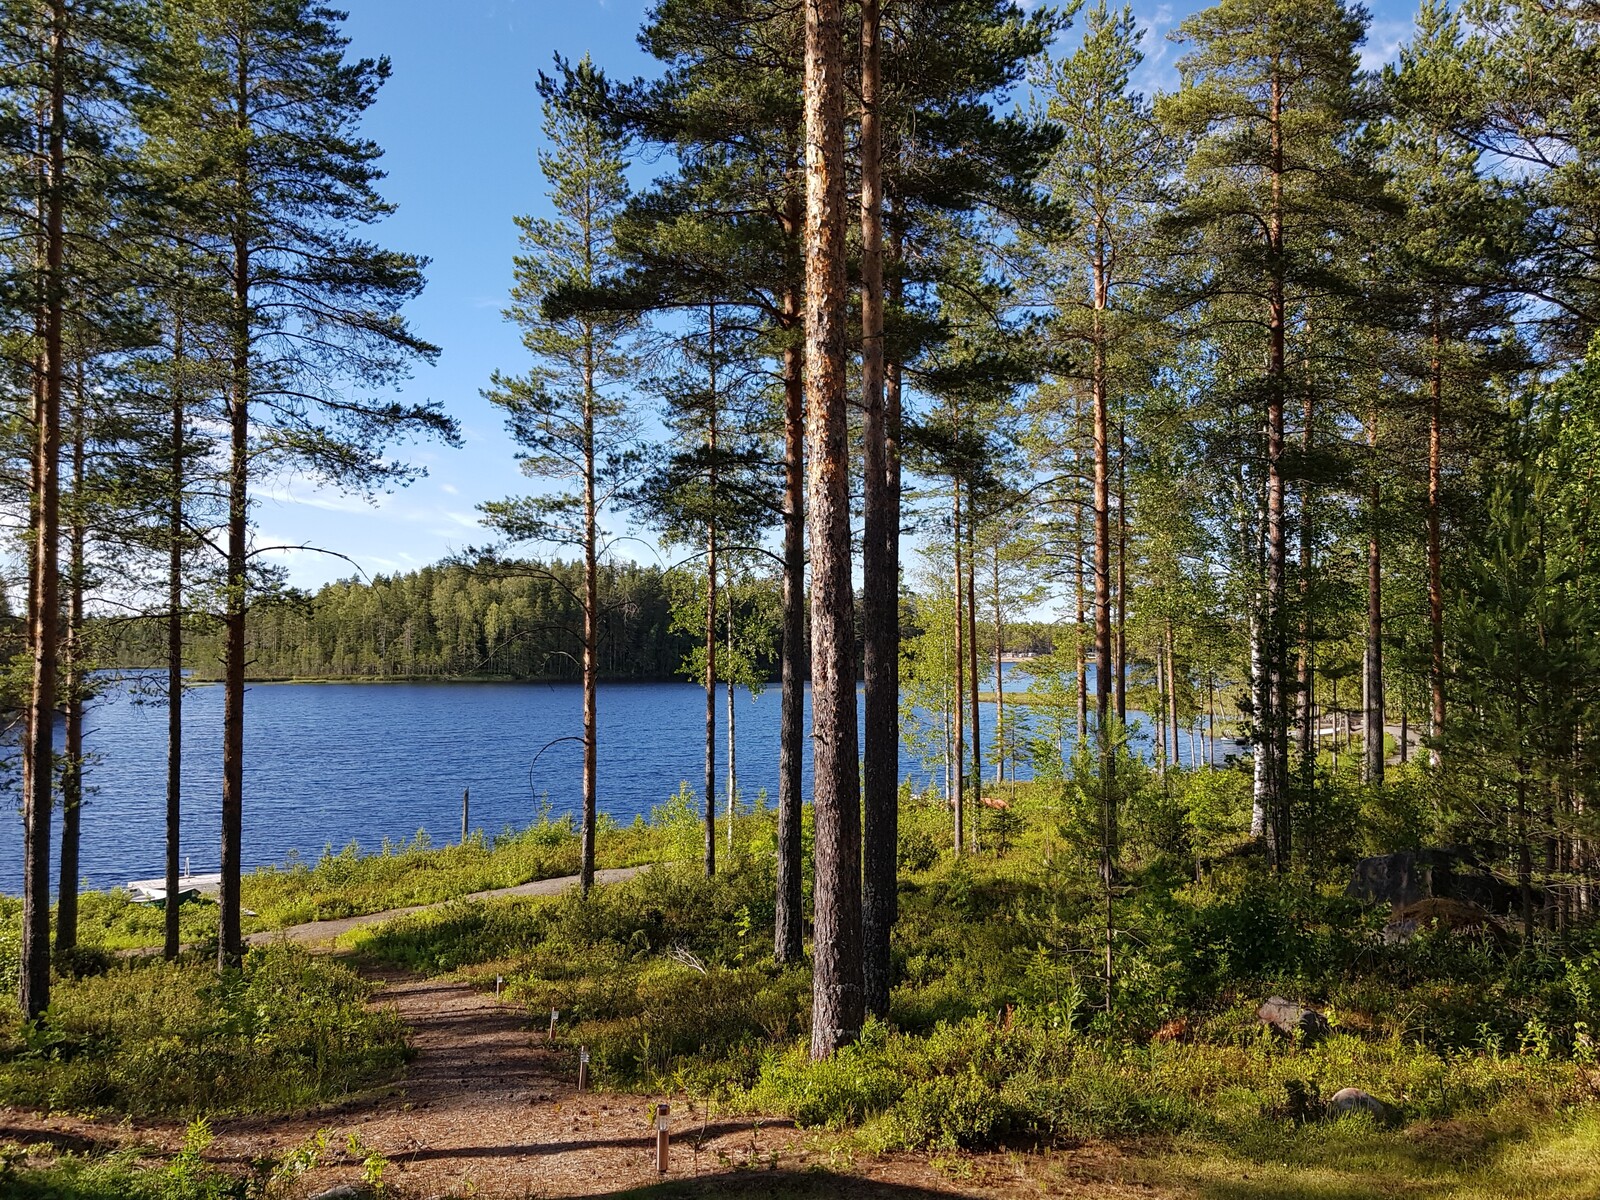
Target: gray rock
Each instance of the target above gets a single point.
(1408, 876)
(344, 1191)
(1349, 1101)
(1289, 1018)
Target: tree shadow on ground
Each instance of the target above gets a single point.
(778, 1185)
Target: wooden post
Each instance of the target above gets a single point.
(551, 1036)
(661, 1138)
(583, 1068)
(465, 792)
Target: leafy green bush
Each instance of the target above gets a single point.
(122, 1176)
(285, 1031)
(1001, 1026)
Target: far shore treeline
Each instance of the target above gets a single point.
(450, 621)
(444, 621)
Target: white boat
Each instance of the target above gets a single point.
(190, 887)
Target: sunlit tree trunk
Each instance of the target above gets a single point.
(837, 1001)
(972, 662)
(788, 931)
(1275, 724)
(711, 615)
(1100, 418)
(1081, 660)
(959, 806)
(1120, 676)
(999, 675)
(44, 591)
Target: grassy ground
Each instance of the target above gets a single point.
(349, 882)
(1005, 1044)
(286, 1032)
(1002, 1032)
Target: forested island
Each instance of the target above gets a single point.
(1250, 393)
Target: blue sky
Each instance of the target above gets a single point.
(459, 121)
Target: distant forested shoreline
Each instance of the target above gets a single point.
(519, 622)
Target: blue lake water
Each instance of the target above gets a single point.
(329, 764)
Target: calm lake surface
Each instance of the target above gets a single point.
(329, 764)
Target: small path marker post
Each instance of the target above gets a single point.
(583, 1068)
(662, 1122)
(465, 793)
(551, 1036)
(499, 981)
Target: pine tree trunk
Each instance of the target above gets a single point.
(733, 756)
(1524, 854)
(1372, 660)
(1306, 690)
(1102, 515)
(879, 587)
(591, 625)
(175, 539)
(711, 617)
(788, 930)
(1275, 726)
(999, 677)
(1120, 678)
(72, 767)
(1160, 713)
(230, 945)
(972, 662)
(711, 703)
(1172, 692)
(1435, 551)
(44, 560)
(961, 675)
(837, 1001)
(1081, 660)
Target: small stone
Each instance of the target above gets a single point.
(1349, 1101)
(345, 1191)
(1288, 1018)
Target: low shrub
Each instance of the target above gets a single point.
(285, 1031)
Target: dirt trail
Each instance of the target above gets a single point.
(313, 932)
(487, 1109)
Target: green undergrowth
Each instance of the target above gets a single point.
(287, 1031)
(1001, 1031)
(40, 1172)
(350, 882)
